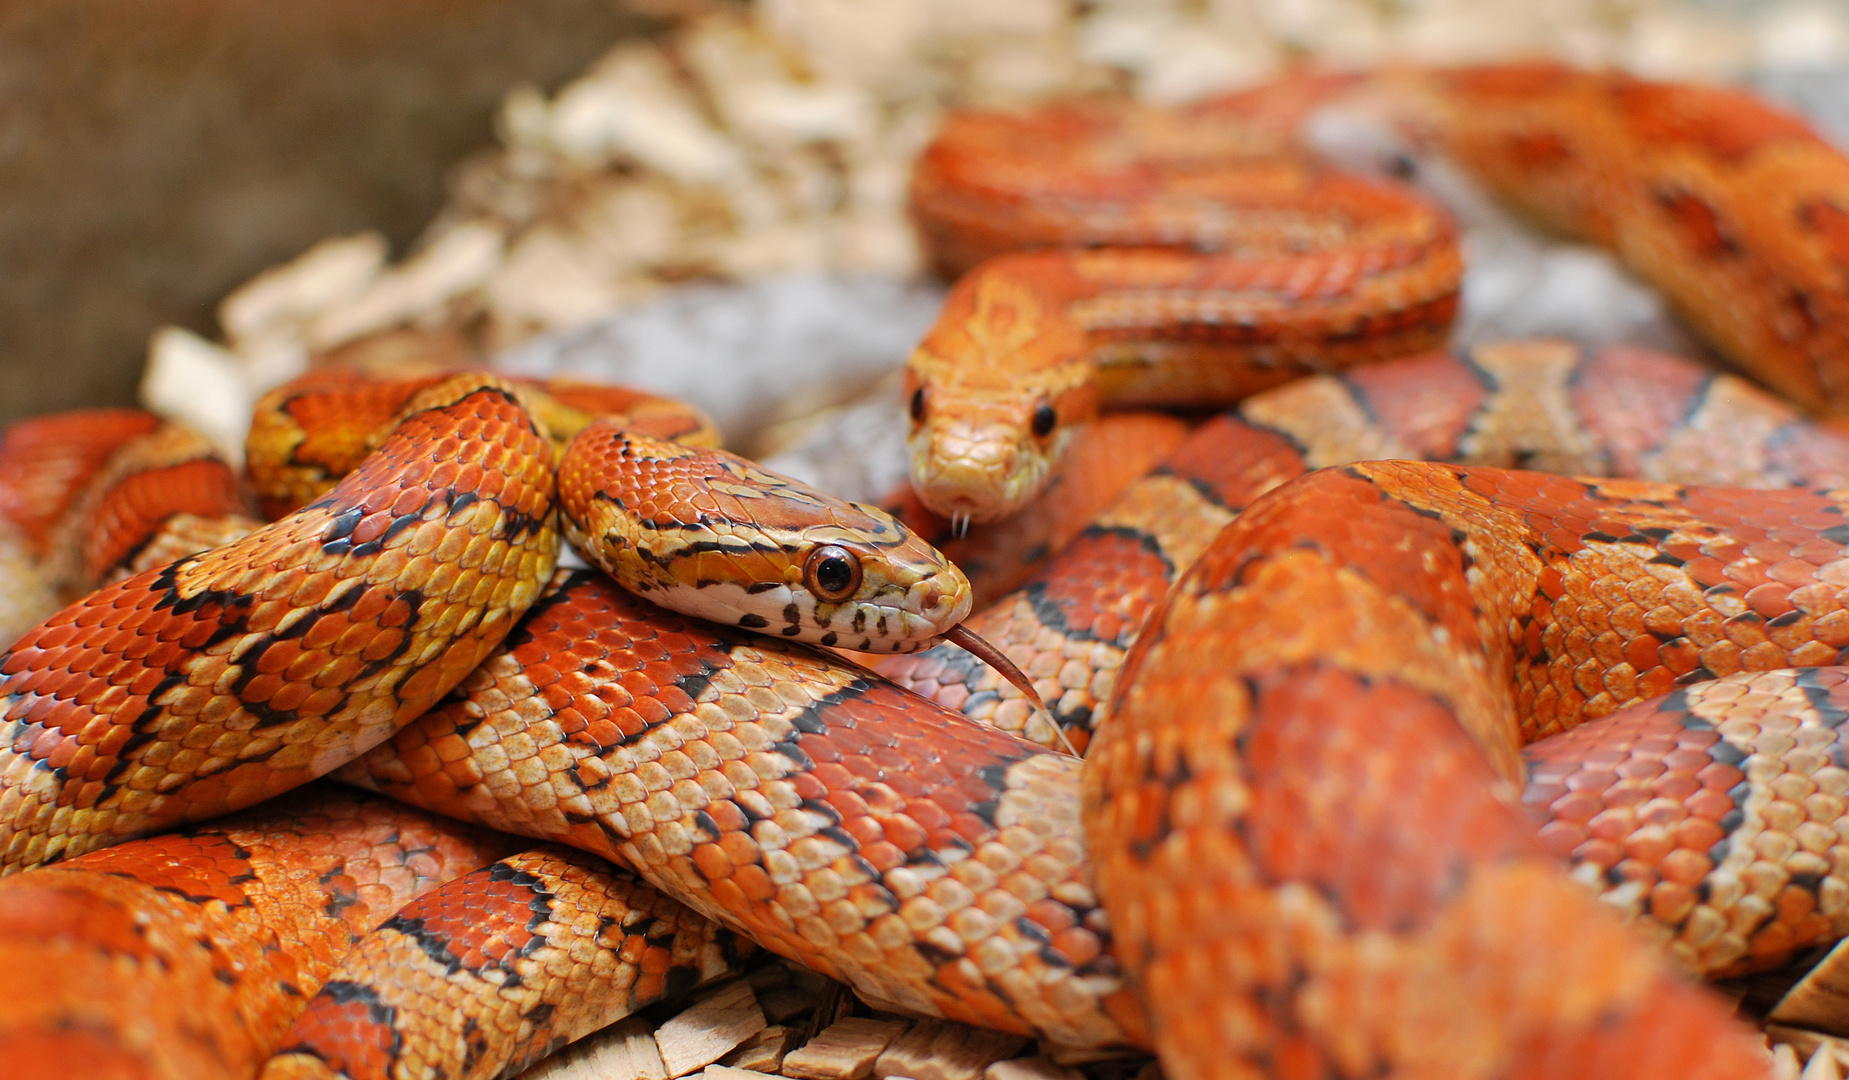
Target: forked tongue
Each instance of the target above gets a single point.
(965, 638)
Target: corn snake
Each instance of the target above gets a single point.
(1731, 208)
(455, 506)
(1463, 766)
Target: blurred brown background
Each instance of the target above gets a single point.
(154, 154)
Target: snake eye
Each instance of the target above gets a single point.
(832, 573)
(1044, 419)
(918, 405)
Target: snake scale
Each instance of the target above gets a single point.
(1298, 845)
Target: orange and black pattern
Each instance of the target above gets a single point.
(45, 461)
(153, 491)
(1546, 405)
(1306, 789)
(1710, 815)
(494, 970)
(708, 533)
(92, 496)
(99, 493)
(1737, 211)
(605, 727)
(187, 956)
(307, 434)
(1068, 626)
(1113, 254)
(236, 674)
(833, 818)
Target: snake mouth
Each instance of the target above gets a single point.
(941, 598)
(980, 490)
(961, 509)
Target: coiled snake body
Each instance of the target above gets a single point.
(1301, 814)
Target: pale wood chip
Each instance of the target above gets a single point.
(727, 1072)
(945, 1050)
(1822, 1066)
(1785, 1063)
(195, 382)
(1033, 1068)
(710, 1028)
(1809, 1046)
(846, 1051)
(334, 270)
(623, 1051)
(765, 1050)
(462, 259)
(877, 1005)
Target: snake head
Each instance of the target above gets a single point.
(710, 534)
(996, 389)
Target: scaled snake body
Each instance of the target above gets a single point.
(1303, 808)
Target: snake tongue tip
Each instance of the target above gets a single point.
(1061, 732)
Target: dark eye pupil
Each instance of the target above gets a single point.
(918, 404)
(1044, 419)
(834, 574)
